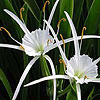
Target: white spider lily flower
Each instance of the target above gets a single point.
(52, 46)
(33, 44)
(80, 67)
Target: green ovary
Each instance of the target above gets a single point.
(40, 49)
(79, 74)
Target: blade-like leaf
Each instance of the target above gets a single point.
(77, 11)
(71, 94)
(93, 18)
(32, 5)
(66, 5)
(91, 93)
(6, 83)
(46, 72)
(7, 21)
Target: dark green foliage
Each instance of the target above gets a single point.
(13, 62)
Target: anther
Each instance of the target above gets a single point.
(21, 16)
(85, 77)
(62, 40)
(84, 28)
(47, 2)
(62, 62)
(49, 41)
(58, 25)
(2, 28)
(21, 47)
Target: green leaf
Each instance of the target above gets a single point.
(93, 18)
(7, 21)
(6, 83)
(88, 4)
(91, 94)
(92, 21)
(25, 17)
(66, 90)
(46, 72)
(44, 67)
(35, 10)
(61, 72)
(77, 11)
(66, 5)
(71, 95)
(25, 57)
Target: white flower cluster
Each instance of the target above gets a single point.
(80, 68)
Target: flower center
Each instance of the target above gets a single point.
(79, 74)
(40, 49)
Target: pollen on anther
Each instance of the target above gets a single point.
(2, 28)
(47, 2)
(62, 62)
(62, 19)
(21, 47)
(84, 28)
(21, 16)
(85, 77)
(49, 41)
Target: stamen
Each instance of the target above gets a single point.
(2, 28)
(85, 77)
(47, 2)
(58, 25)
(21, 16)
(62, 62)
(49, 41)
(84, 28)
(5, 30)
(63, 41)
(21, 47)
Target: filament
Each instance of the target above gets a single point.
(63, 41)
(62, 62)
(47, 2)
(84, 28)
(21, 10)
(2, 28)
(62, 19)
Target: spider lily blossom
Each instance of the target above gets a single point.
(34, 44)
(80, 68)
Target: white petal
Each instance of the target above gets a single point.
(77, 51)
(53, 72)
(21, 24)
(47, 78)
(10, 46)
(52, 13)
(60, 49)
(31, 51)
(69, 40)
(92, 69)
(96, 80)
(51, 64)
(24, 76)
(78, 91)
